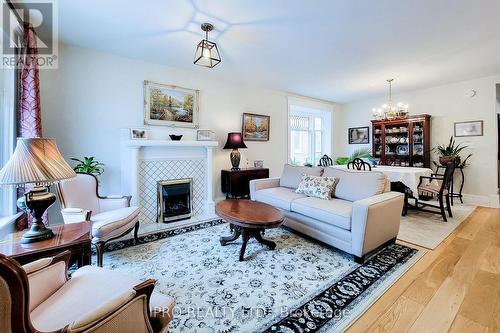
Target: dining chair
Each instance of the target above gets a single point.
(359, 164)
(436, 186)
(112, 217)
(325, 161)
(40, 297)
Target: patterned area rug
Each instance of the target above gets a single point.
(302, 286)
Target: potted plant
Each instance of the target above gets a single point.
(450, 152)
(360, 153)
(88, 165)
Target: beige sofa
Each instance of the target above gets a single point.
(362, 216)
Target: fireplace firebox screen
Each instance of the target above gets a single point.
(174, 199)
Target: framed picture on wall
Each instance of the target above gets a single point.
(469, 128)
(139, 134)
(255, 127)
(167, 105)
(359, 135)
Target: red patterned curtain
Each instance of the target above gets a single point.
(29, 118)
(30, 110)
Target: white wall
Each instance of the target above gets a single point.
(447, 104)
(93, 95)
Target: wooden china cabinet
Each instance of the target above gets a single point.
(403, 142)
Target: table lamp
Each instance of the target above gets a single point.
(234, 142)
(36, 161)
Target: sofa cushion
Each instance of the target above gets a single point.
(280, 197)
(292, 175)
(319, 187)
(336, 212)
(356, 185)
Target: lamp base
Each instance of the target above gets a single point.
(235, 159)
(35, 202)
(36, 234)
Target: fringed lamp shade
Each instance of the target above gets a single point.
(35, 161)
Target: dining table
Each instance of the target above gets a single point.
(409, 176)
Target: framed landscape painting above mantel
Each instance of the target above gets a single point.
(167, 105)
(255, 127)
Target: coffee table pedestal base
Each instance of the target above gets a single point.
(246, 234)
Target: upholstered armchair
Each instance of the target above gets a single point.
(39, 297)
(112, 217)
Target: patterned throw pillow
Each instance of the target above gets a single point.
(319, 187)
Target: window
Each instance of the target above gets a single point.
(309, 124)
(7, 135)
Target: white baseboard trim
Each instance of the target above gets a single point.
(492, 201)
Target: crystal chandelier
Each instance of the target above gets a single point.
(390, 110)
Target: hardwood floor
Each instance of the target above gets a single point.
(454, 288)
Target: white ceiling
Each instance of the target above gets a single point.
(338, 50)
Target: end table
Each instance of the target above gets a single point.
(74, 237)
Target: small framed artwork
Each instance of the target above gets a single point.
(359, 135)
(139, 134)
(258, 164)
(167, 105)
(255, 127)
(205, 135)
(469, 128)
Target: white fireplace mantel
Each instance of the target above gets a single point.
(135, 151)
(170, 143)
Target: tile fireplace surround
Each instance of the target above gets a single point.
(145, 162)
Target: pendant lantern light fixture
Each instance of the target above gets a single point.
(207, 54)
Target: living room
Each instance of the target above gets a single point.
(289, 100)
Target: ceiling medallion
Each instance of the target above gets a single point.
(207, 54)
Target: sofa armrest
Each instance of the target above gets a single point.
(260, 184)
(375, 220)
(75, 215)
(45, 276)
(114, 202)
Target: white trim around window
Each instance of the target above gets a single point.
(315, 112)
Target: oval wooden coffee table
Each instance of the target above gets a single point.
(248, 219)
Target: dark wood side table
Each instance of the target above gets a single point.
(235, 183)
(74, 237)
(248, 219)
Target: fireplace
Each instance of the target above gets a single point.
(174, 199)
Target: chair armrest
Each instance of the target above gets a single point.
(105, 309)
(375, 220)
(46, 276)
(75, 215)
(114, 202)
(260, 184)
(117, 306)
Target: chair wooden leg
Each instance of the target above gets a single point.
(441, 207)
(448, 205)
(136, 232)
(100, 250)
